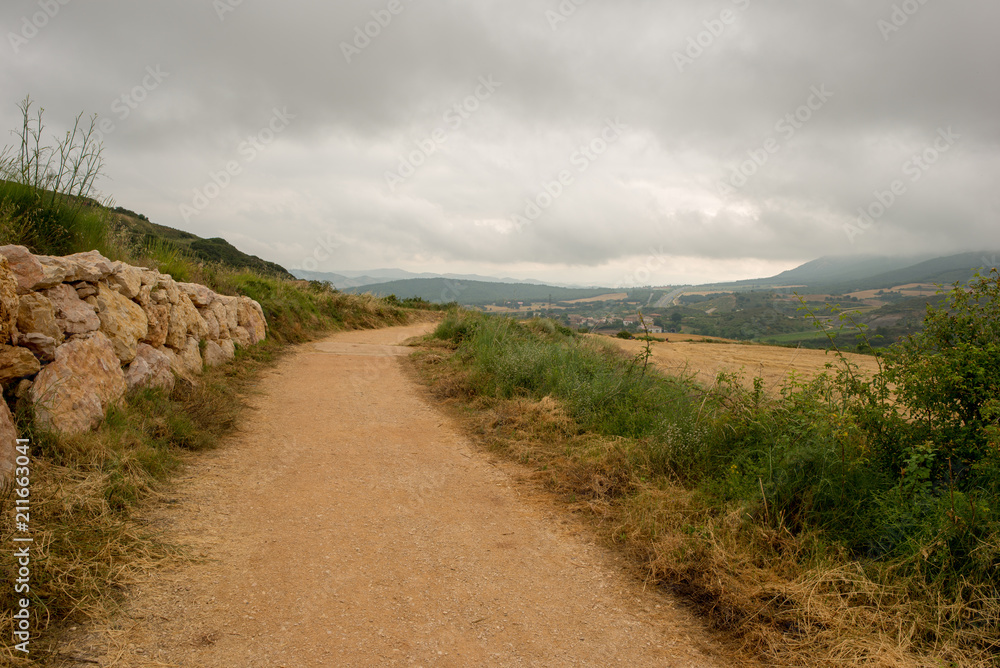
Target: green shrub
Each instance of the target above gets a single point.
(899, 473)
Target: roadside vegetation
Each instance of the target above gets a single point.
(87, 491)
(847, 520)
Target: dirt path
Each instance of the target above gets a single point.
(351, 524)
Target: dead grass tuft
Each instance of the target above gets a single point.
(774, 597)
(88, 492)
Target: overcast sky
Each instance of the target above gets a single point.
(592, 142)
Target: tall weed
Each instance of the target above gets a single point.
(885, 479)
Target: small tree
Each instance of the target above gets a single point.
(947, 376)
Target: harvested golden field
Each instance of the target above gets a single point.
(692, 355)
(610, 297)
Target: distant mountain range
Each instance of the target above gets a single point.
(848, 273)
(478, 293)
(831, 274)
(356, 279)
(834, 269)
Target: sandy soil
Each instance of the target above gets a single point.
(351, 524)
(773, 363)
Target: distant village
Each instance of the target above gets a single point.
(608, 314)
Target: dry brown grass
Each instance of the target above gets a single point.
(84, 553)
(705, 361)
(89, 491)
(774, 598)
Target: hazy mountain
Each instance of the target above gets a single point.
(833, 274)
(940, 270)
(838, 274)
(339, 281)
(353, 279)
(837, 269)
(443, 290)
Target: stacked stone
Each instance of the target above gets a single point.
(77, 332)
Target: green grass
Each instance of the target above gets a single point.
(87, 489)
(27, 219)
(785, 519)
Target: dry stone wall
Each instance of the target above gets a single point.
(77, 332)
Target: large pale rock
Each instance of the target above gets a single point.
(149, 277)
(187, 362)
(150, 368)
(211, 322)
(231, 304)
(228, 348)
(221, 313)
(176, 364)
(169, 286)
(26, 267)
(185, 321)
(145, 296)
(215, 354)
(73, 315)
(9, 302)
(251, 318)
(8, 445)
(73, 393)
(242, 337)
(191, 357)
(37, 315)
(122, 320)
(53, 272)
(90, 266)
(16, 363)
(85, 289)
(126, 279)
(41, 346)
(158, 317)
(200, 295)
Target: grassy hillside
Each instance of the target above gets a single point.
(475, 293)
(837, 269)
(806, 524)
(143, 232)
(842, 274)
(87, 490)
(940, 270)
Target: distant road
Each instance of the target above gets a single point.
(668, 299)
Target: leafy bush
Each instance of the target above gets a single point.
(895, 476)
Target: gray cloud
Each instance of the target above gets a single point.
(324, 176)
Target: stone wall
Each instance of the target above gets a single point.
(77, 332)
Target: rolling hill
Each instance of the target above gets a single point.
(476, 293)
(940, 270)
(356, 279)
(838, 269)
(844, 274)
(217, 250)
